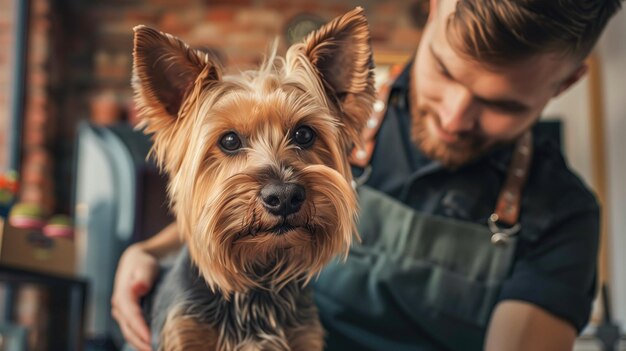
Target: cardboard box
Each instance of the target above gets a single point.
(31, 250)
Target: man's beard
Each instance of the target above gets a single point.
(467, 147)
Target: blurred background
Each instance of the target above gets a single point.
(71, 162)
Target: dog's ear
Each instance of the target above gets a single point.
(341, 53)
(165, 71)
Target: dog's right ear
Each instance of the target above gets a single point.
(165, 72)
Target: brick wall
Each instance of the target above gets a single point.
(241, 30)
(7, 38)
(40, 111)
(80, 61)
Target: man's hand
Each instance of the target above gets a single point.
(517, 326)
(136, 272)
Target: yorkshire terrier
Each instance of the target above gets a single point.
(259, 181)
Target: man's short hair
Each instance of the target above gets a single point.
(500, 31)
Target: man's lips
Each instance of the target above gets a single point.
(442, 135)
(446, 137)
(451, 139)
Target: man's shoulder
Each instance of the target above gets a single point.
(551, 173)
(554, 192)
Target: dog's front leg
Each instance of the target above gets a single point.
(308, 337)
(185, 333)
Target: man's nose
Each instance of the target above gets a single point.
(458, 111)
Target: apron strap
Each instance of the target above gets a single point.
(508, 205)
(361, 155)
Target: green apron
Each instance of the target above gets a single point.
(428, 283)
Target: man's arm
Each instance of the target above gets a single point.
(136, 272)
(547, 299)
(163, 243)
(518, 325)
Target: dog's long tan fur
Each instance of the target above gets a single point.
(182, 332)
(242, 248)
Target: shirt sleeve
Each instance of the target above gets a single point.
(558, 271)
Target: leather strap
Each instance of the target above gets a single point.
(508, 205)
(361, 155)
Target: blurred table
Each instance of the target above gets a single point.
(65, 303)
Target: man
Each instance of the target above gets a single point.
(455, 119)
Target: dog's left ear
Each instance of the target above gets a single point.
(342, 54)
(165, 71)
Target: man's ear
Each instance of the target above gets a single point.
(165, 71)
(572, 78)
(341, 53)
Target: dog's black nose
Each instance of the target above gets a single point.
(283, 199)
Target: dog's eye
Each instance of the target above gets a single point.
(304, 136)
(230, 142)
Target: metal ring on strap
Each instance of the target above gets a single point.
(509, 201)
(501, 235)
(362, 179)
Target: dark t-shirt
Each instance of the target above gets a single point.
(555, 260)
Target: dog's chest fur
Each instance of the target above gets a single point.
(259, 320)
